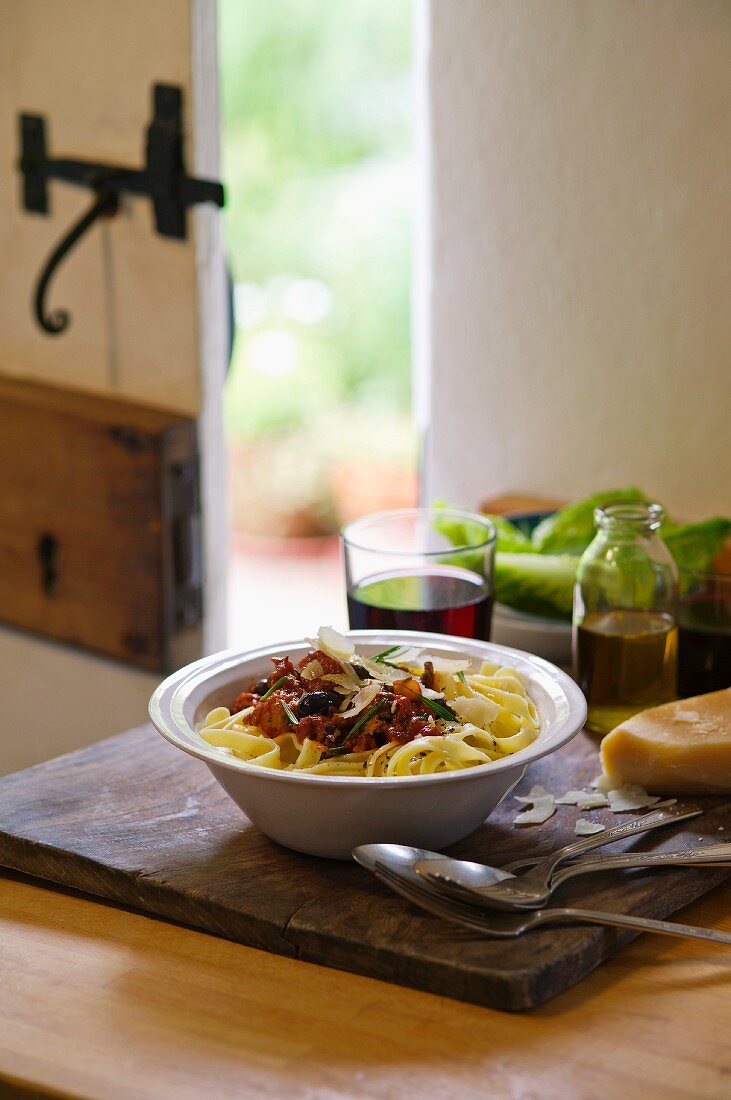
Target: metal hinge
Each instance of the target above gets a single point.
(163, 179)
(182, 552)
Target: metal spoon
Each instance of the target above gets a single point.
(474, 881)
(504, 925)
(534, 887)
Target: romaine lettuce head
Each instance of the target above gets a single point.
(542, 584)
(571, 529)
(695, 545)
(537, 576)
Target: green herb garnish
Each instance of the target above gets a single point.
(288, 711)
(339, 750)
(439, 708)
(460, 676)
(365, 718)
(274, 687)
(380, 657)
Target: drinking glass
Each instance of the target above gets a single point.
(421, 569)
(704, 621)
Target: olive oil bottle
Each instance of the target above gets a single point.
(625, 628)
(627, 661)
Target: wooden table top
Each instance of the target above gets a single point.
(98, 1002)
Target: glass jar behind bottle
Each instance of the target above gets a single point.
(625, 636)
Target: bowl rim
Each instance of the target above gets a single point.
(167, 701)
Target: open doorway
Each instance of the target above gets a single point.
(317, 150)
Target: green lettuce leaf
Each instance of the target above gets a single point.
(695, 545)
(542, 584)
(510, 539)
(463, 533)
(571, 529)
(459, 532)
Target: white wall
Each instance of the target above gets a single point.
(578, 320)
(55, 699)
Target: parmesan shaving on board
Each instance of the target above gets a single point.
(585, 800)
(619, 800)
(536, 792)
(630, 797)
(593, 801)
(583, 827)
(571, 798)
(542, 806)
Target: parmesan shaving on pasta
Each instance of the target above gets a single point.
(334, 644)
(383, 673)
(312, 671)
(416, 659)
(346, 685)
(363, 699)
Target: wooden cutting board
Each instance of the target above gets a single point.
(135, 821)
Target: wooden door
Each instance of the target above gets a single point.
(149, 312)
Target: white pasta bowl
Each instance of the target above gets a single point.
(326, 815)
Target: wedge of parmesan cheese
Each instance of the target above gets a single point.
(677, 748)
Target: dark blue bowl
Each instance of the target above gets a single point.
(528, 521)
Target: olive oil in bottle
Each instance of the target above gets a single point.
(625, 616)
(627, 661)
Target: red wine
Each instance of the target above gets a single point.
(704, 659)
(440, 601)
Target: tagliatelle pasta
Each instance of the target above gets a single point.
(403, 712)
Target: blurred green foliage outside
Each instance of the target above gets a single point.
(316, 99)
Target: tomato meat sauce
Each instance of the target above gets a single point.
(305, 693)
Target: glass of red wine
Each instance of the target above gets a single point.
(704, 622)
(427, 569)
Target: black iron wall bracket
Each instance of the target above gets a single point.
(163, 179)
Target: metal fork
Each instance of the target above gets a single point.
(461, 878)
(511, 925)
(534, 887)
